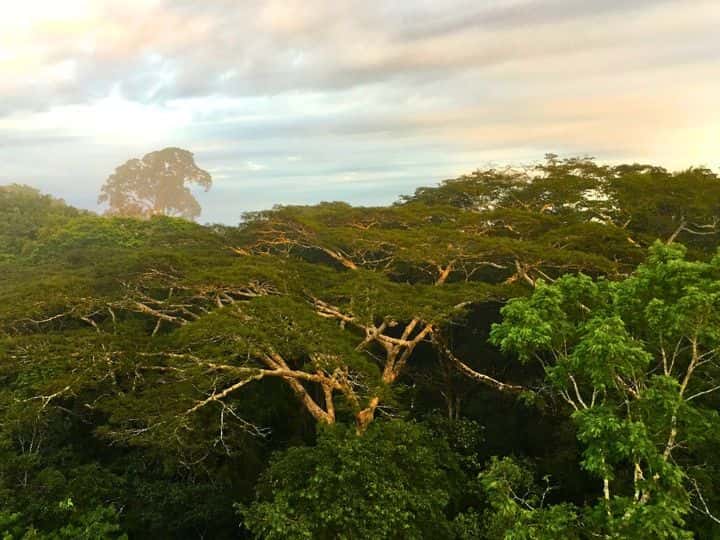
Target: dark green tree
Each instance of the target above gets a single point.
(395, 482)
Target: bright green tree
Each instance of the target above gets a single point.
(636, 363)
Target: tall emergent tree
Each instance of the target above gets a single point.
(157, 184)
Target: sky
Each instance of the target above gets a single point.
(296, 102)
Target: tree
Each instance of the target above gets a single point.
(24, 212)
(636, 361)
(157, 184)
(518, 509)
(99, 523)
(153, 366)
(395, 482)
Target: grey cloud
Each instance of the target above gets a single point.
(373, 98)
(191, 49)
(516, 14)
(11, 139)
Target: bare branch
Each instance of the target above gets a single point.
(470, 372)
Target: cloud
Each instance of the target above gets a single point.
(252, 166)
(156, 51)
(292, 101)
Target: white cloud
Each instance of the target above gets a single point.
(252, 166)
(358, 99)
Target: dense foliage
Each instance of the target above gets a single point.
(520, 354)
(395, 481)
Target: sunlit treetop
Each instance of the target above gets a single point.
(157, 184)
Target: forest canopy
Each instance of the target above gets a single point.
(512, 354)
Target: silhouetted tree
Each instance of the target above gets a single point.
(157, 184)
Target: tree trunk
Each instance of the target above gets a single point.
(366, 416)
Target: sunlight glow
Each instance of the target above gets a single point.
(114, 118)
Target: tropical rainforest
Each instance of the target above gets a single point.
(521, 354)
